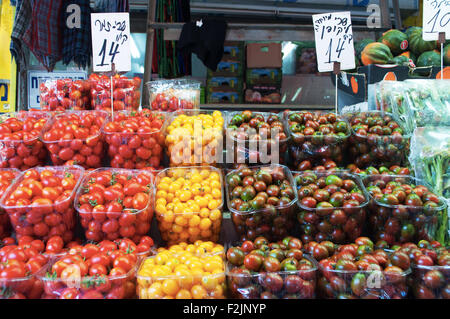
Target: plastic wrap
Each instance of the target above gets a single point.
(135, 139)
(401, 223)
(195, 137)
(111, 221)
(351, 284)
(201, 217)
(430, 159)
(172, 95)
(204, 279)
(241, 138)
(65, 94)
(337, 224)
(126, 93)
(271, 221)
(425, 103)
(368, 148)
(76, 137)
(7, 177)
(324, 142)
(22, 148)
(42, 221)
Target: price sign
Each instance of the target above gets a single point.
(111, 41)
(334, 41)
(436, 19)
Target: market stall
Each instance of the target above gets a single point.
(189, 188)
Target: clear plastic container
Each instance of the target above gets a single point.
(316, 147)
(340, 225)
(431, 282)
(251, 151)
(126, 94)
(112, 225)
(189, 286)
(88, 287)
(19, 153)
(297, 284)
(5, 225)
(29, 287)
(199, 143)
(189, 226)
(64, 94)
(172, 95)
(385, 150)
(371, 284)
(397, 224)
(274, 224)
(136, 150)
(87, 152)
(31, 221)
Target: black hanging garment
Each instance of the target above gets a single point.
(204, 38)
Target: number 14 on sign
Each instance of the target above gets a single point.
(334, 41)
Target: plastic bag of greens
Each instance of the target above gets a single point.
(430, 159)
(427, 104)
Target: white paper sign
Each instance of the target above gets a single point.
(436, 19)
(111, 41)
(334, 40)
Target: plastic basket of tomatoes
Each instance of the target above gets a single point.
(7, 177)
(135, 139)
(317, 136)
(20, 146)
(381, 170)
(402, 209)
(189, 203)
(19, 266)
(115, 203)
(431, 269)
(256, 137)
(40, 202)
(261, 269)
(377, 139)
(183, 272)
(126, 94)
(320, 165)
(195, 137)
(103, 271)
(333, 206)
(359, 271)
(75, 138)
(262, 201)
(172, 95)
(64, 94)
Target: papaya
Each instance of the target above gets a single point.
(396, 40)
(376, 53)
(360, 45)
(447, 54)
(429, 58)
(416, 42)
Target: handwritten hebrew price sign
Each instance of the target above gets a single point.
(111, 41)
(334, 41)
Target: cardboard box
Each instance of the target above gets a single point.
(224, 95)
(227, 68)
(265, 94)
(233, 51)
(225, 82)
(264, 55)
(263, 76)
